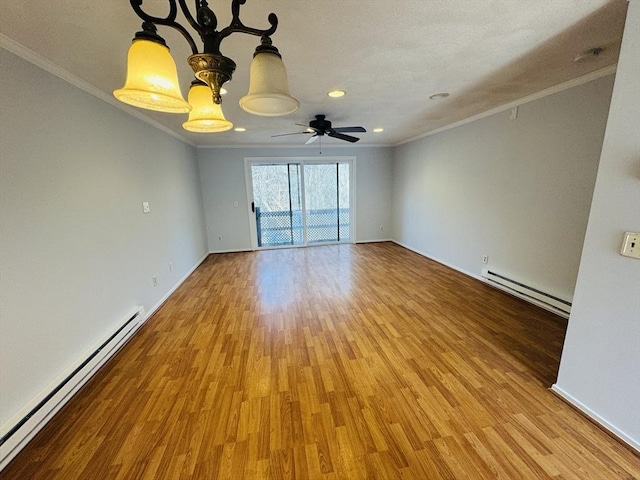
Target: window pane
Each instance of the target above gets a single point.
(276, 189)
(343, 201)
(327, 201)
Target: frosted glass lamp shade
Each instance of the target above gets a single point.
(152, 79)
(205, 116)
(268, 88)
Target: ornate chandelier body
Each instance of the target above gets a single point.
(152, 80)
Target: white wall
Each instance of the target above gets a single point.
(76, 252)
(223, 182)
(600, 367)
(516, 190)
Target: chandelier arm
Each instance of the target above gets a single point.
(186, 35)
(187, 14)
(170, 18)
(168, 21)
(236, 24)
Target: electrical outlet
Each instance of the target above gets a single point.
(145, 207)
(154, 280)
(485, 259)
(631, 245)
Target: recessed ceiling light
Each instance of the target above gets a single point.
(378, 129)
(223, 91)
(439, 96)
(240, 129)
(590, 54)
(336, 93)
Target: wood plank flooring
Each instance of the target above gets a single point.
(336, 362)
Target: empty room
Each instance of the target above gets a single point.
(245, 239)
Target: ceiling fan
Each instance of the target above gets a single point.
(320, 127)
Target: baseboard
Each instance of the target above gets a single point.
(241, 250)
(24, 425)
(593, 416)
(442, 262)
(612, 429)
(526, 298)
(231, 251)
(374, 241)
(41, 409)
(174, 288)
(532, 301)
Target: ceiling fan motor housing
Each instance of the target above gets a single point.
(320, 125)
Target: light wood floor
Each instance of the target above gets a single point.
(337, 362)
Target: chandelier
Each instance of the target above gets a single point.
(152, 78)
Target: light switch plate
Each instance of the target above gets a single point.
(631, 245)
(145, 207)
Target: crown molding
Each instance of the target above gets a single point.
(589, 77)
(333, 146)
(34, 58)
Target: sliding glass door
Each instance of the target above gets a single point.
(326, 187)
(277, 204)
(301, 202)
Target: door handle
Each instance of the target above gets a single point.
(253, 207)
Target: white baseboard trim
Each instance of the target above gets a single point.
(527, 299)
(174, 288)
(52, 398)
(632, 442)
(213, 252)
(442, 262)
(377, 240)
(532, 301)
(30, 419)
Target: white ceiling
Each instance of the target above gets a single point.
(389, 56)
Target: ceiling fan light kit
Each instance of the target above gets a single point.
(152, 80)
(321, 127)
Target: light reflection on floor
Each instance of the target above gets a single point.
(282, 276)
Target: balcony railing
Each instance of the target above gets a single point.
(286, 228)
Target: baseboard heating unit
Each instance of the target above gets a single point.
(40, 410)
(530, 294)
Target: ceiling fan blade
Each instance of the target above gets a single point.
(294, 133)
(311, 140)
(341, 136)
(308, 128)
(349, 129)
